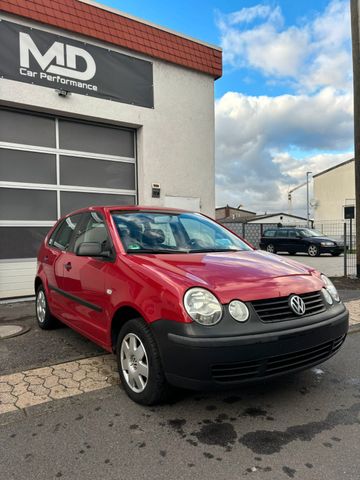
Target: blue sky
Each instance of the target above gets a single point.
(284, 103)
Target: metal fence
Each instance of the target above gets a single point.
(341, 231)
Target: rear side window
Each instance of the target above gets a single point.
(282, 233)
(62, 235)
(269, 233)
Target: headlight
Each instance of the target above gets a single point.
(238, 310)
(327, 244)
(328, 297)
(202, 306)
(330, 287)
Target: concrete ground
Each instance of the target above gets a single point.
(330, 266)
(64, 416)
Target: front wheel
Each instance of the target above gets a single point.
(313, 251)
(140, 369)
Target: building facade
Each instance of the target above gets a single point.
(334, 189)
(96, 107)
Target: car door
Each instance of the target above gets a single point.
(281, 240)
(53, 261)
(84, 279)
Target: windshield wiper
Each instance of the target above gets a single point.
(154, 250)
(208, 250)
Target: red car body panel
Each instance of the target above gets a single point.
(154, 285)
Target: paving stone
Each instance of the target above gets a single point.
(68, 383)
(5, 408)
(71, 367)
(39, 390)
(7, 398)
(51, 381)
(41, 372)
(20, 388)
(79, 375)
(34, 380)
(61, 373)
(29, 399)
(15, 378)
(5, 387)
(57, 392)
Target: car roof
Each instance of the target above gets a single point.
(126, 208)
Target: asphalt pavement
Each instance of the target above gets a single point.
(303, 426)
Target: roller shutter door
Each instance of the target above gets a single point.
(50, 166)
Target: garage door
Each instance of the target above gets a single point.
(50, 166)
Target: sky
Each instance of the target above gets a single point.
(284, 104)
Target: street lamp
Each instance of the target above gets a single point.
(307, 200)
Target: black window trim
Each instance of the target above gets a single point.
(58, 227)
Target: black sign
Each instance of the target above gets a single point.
(42, 58)
(349, 212)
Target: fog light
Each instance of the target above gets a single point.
(238, 310)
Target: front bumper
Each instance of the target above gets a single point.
(208, 362)
(337, 250)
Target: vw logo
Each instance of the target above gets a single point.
(297, 305)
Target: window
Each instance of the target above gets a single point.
(74, 200)
(93, 229)
(282, 233)
(62, 235)
(150, 232)
(26, 128)
(25, 166)
(269, 233)
(27, 204)
(90, 172)
(294, 234)
(21, 242)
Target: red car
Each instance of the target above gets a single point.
(181, 300)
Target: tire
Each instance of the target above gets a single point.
(313, 251)
(292, 252)
(271, 248)
(43, 315)
(148, 387)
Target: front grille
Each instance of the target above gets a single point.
(278, 309)
(250, 370)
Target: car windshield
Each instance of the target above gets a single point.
(307, 232)
(159, 232)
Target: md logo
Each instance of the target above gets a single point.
(60, 59)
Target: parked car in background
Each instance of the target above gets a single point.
(299, 240)
(181, 300)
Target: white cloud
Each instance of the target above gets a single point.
(255, 134)
(311, 55)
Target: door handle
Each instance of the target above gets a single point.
(68, 266)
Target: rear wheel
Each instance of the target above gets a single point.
(43, 316)
(139, 364)
(313, 251)
(271, 248)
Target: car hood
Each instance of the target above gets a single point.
(248, 275)
(321, 239)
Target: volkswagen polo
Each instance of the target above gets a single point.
(183, 301)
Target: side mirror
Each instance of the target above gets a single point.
(90, 249)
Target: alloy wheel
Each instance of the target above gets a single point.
(312, 250)
(41, 306)
(134, 363)
(270, 248)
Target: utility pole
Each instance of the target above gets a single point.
(354, 6)
(307, 200)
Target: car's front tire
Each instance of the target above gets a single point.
(139, 364)
(43, 315)
(313, 251)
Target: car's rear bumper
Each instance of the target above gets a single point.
(202, 363)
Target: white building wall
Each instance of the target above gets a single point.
(283, 219)
(175, 139)
(333, 190)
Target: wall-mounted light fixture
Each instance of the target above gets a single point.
(63, 93)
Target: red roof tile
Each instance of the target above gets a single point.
(93, 21)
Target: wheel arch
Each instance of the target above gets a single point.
(37, 282)
(122, 315)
